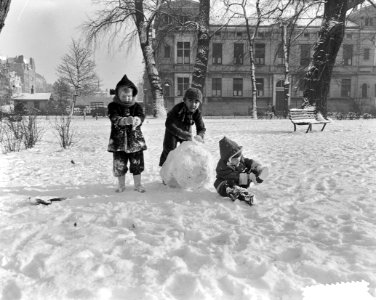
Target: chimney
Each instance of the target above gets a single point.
(32, 89)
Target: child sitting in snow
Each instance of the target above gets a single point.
(179, 121)
(126, 139)
(236, 172)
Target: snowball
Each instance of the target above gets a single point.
(189, 166)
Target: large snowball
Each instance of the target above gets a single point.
(189, 166)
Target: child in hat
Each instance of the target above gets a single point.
(179, 121)
(236, 172)
(127, 142)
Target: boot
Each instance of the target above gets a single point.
(121, 184)
(239, 193)
(137, 184)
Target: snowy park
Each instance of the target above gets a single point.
(313, 222)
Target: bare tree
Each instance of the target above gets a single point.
(202, 54)
(242, 10)
(4, 9)
(317, 78)
(129, 19)
(77, 69)
(288, 15)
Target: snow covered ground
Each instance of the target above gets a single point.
(314, 221)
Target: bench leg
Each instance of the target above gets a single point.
(309, 128)
(322, 129)
(294, 127)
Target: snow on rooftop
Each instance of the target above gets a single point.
(35, 96)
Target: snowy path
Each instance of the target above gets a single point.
(314, 221)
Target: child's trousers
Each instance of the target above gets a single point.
(170, 142)
(120, 161)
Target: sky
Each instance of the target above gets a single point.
(43, 30)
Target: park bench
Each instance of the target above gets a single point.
(306, 116)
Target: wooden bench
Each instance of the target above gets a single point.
(306, 116)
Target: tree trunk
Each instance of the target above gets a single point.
(151, 69)
(251, 41)
(155, 81)
(317, 78)
(201, 64)
(253, 77)
(286, 84)
(4, 8)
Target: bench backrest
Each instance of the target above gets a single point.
(302, 114)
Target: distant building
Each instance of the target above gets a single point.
(227, 88)
(25, 69)
(22, 76)
(90, 103)
(32, 102)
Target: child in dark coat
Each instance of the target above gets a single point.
(180, 120)
(236, 172)
(127, 142)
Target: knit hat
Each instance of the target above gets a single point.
(228, 148)
(193, 93)
(126, 82)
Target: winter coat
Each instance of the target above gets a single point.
(179, 121)
(123, 137)
(228, 149)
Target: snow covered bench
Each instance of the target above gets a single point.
(306, 116)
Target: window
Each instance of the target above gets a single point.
(306, 35)
(183, 84)
(184, 52)
(345, 87)
(260, 54)
(167, 19)
(217, 54)
(239, 34)
(37, 104)
(167, 51)
(364, 90)
(238, 54)
(366, 54)
(375, 90)
(217, 33)
(260, 86)
(217, 86)
(238, 87)
(183, 19)
(349, 35)
(368, 21)
(305, 54)
(280, 55)
(166, 89)
(347, 55)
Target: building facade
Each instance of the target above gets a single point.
(227, 89)
(18, 75)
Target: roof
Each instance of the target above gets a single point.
(240, 22)
(34, 96)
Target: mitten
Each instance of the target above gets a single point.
(125, 121)
(122, 122)
(252, 178)
(198, 138)
(136, 122)
(129, 120)
(264, 173)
